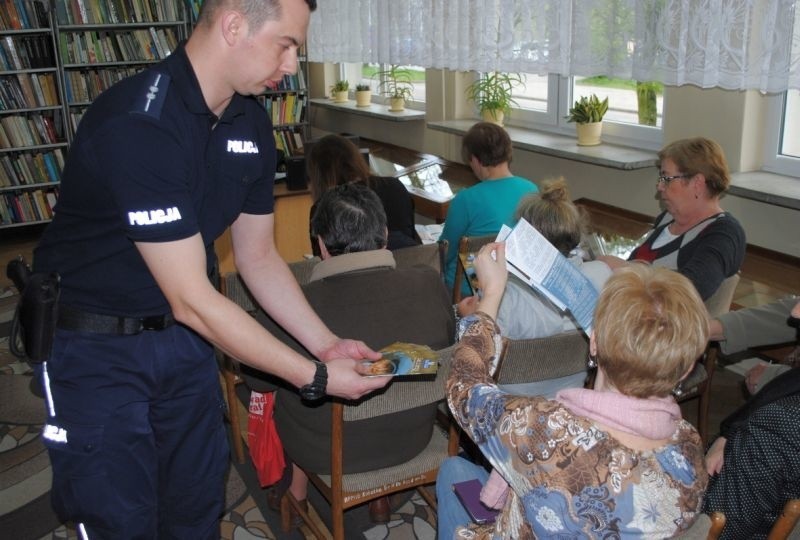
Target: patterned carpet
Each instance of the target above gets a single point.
(25, 477)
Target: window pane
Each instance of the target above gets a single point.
(534, 94)
(369, 71)
(790, 141)
(629, 102)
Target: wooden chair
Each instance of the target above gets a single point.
(344, 491)
(233, 288)
(705, 527)
(698, 384)
(539, 359)
(467, 245)
(786, 526)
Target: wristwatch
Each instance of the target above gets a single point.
(316, 388)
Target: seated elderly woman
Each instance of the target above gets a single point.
(693, 235)
(614, 461)
(524, 313)
(358, 289)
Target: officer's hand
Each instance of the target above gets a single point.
(348, 348)
(345, 379)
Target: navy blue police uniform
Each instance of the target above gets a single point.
(134, 421)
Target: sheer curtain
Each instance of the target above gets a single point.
(732, 44)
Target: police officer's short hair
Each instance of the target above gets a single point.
(257, 12)
(350, 218)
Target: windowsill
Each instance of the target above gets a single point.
(766, 187)
(604, 155)
(373, 111)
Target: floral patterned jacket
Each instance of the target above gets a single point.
(568, 478)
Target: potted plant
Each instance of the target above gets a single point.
(587, 113)
(397, 86)
(339, 91)
(492, 93)
(363, 95)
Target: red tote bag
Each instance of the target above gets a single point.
(266, 449)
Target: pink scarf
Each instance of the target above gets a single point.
(652, 418)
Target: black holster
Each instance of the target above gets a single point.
(34, 324)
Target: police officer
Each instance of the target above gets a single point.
(161, 165)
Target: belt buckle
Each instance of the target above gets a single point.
(155, 322)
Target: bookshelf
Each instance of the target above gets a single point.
(32, 132)
(287, 105)
(101, 42)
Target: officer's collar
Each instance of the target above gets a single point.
(184, 77)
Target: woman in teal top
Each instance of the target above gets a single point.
(483, 208)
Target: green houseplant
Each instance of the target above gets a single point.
(339, 91)
(588, 113)
(363, 95)
(492, 93)
(396, 85)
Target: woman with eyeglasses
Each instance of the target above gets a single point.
(693, 234)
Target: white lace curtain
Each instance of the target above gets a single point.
(731, 44)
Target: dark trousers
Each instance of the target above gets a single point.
(135, 434)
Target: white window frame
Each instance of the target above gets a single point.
(773, 135)
(355, 68)
(560, 98)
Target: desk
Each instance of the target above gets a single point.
(431, 180)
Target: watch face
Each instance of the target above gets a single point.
(311, 392)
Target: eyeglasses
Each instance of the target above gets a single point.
(665, 180)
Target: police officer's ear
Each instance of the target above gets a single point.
(233, 26)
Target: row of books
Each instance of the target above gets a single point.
(27, 91)
(27, 169)
(116, 11)
(289, 141)
(104, 46)
(17, 131)
(75, 116)
(194, 9)
(285, 109)
(292, 82)
(27, 207)
(26, 52)
(23, 14)
(85, 85)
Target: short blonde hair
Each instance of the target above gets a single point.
(650, 327)
(554, 215)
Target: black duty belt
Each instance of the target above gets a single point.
(82, 321)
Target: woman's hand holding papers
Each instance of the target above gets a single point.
(490, 266)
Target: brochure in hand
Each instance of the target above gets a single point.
(538, 263)
(405, 359)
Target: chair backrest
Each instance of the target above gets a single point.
(467, 245)
(233, 288)
(302, 269)
(539, 359)
(719, 303)
(428, 254)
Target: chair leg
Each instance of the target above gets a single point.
(233, 410)
(337, 518)
(291, 507)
